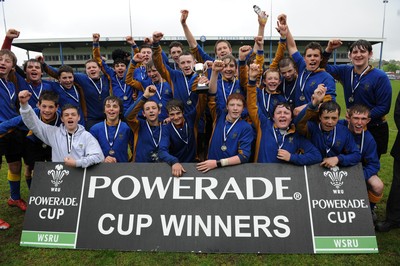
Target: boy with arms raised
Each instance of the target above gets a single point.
(148, 131)
(311, 75)
(116, 74)
(70, 142)
(30, 78)
(231, 137)
(277, 139)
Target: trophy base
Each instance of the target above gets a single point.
(202, 89)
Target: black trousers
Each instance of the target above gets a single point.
(393, 203)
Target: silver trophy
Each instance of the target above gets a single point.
(199, 69)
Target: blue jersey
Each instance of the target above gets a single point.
(146, 138)
(71, 96)
(229, 138)
(369, 156)
(118, 86)
(36, 90)
(308, 81)
(180, 84)
(17, 123)
(8, 99)
(95, 91)
(270, 139)
(337, 142)
(372, 89)
(267, 101)
(114, 140)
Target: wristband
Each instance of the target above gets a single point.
(224, 162)
(219, 165)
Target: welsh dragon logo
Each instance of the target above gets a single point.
(57, 176)
(336, 177)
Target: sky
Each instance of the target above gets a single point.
(37, 19)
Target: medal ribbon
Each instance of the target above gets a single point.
(97, 88)
(226, 133)
(119, 83)
(70, 95)
(230, 91)
(353, 88)
(152, 136)
(9, 93)
(301, 83)
(111, 143)
(333, 140)
(179, 135)
(276, 138)
(34, 93)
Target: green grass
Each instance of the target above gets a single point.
(12, 254)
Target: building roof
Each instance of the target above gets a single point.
(38, 45)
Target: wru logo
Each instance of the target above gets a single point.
(57, 175)
(336, 177)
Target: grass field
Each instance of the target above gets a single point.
(12, 254)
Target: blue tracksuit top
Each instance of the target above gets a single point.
(270, 139)
(374, 89)
(369, 155)
(118, 142)
(309, 81)
(238, 139)
(329, 144)
(146, 137)
(8, 99)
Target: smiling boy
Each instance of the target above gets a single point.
(70, 142)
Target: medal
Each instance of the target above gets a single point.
(44, 146)
(111, 141)
(189, 102)
(237, 91)
(99, 90)
(223, 148)
(160, 105)
(351, 99)
(302, 98)
(125, 97)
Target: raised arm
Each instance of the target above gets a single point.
(280, 51)
(291, 44)
(129, 78)
(10, 36)
(188, 34)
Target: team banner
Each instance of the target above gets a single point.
(250, 208)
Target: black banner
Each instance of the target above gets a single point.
(251, 208)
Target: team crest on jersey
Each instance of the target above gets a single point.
(336, 179)
(57, 177)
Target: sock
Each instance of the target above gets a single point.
(373, 199)
(14, 181)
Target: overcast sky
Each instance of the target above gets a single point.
(324, 18)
